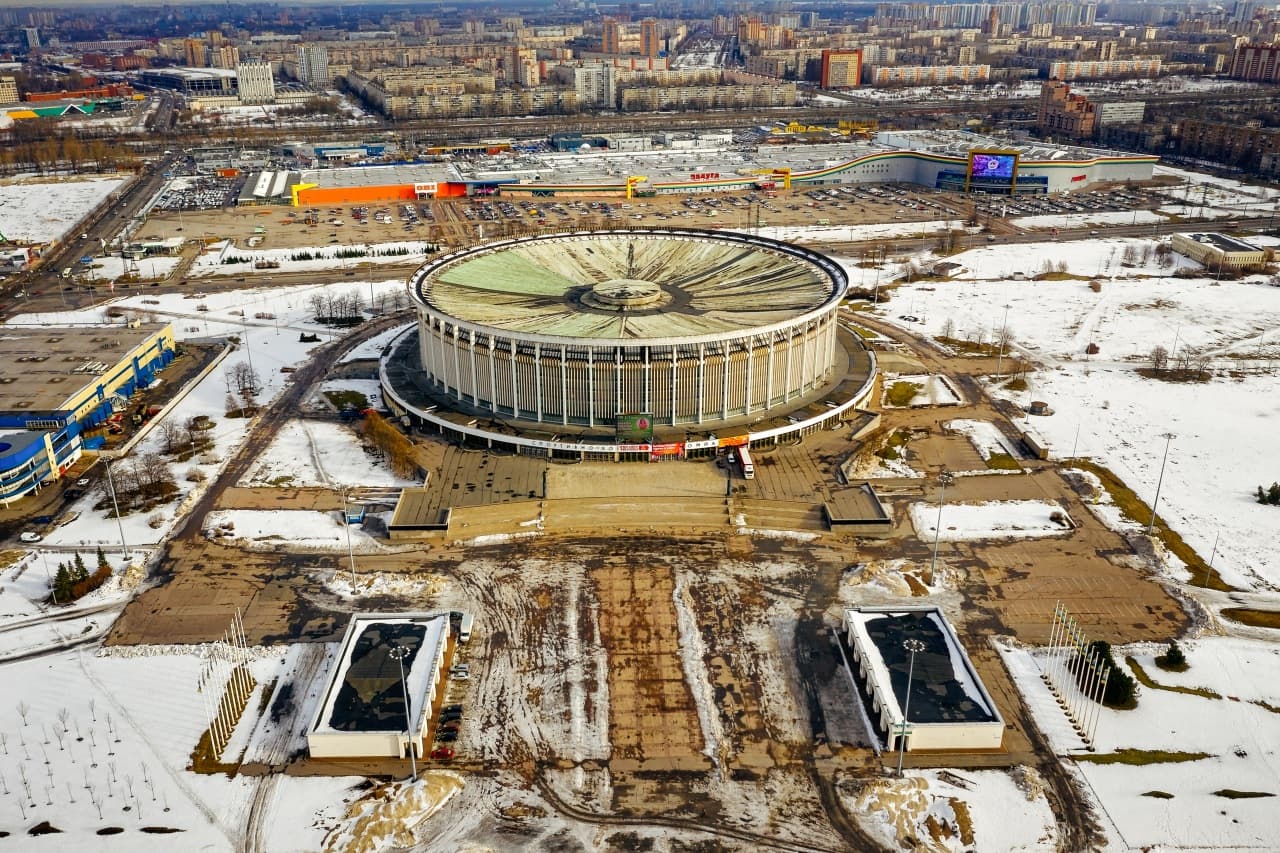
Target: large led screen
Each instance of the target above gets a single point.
(992, 165)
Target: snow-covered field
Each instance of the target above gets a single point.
(1173, 805)
(994, 520)
(96, 742)
(320, 453)
(153, 268)
(1105, 410)
(1093, 217)
(38, 211)
(852, 233)
(324, 258)
(268, 528)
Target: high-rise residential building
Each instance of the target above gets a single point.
(255, 83)
(611, 36)
(841, 69)
(1258, 62)
(8, 90)
(967, 54)
(313, 64)
(194, 53)
(31, 38)
(227, 56)
(650, 42)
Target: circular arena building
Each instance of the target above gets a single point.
(622, 333)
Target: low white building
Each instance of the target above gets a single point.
(363, 712)
(1218, 252)
(949, 707)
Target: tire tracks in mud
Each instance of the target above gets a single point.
(582, 816)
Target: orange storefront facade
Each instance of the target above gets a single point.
(313, 195)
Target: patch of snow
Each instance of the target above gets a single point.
(991, 520)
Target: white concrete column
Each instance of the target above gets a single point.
(564, 387)
(537, 372)
(725, 350)
(647, 379)
(675, 383)
(437, 334)
(702, 378)
(768, 386)
(804, 361)
(617, 379)
(457, 365)
(515, 380)
(751, 361)
(475, 377)
(786, 393)
(493, 379)
(591, 387)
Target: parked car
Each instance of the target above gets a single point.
(455, 708)
(30, 536)
(442, 753)
(451, 726)
(461, 672)
(447, 736)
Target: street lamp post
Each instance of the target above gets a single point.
(111, 486)
(912, 646)
(1168, 439)
(400, 653)
(1004, 327)
(944, 479)
(346, 522)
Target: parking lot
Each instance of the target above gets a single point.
(199, 192)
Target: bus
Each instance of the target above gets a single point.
(748, 469)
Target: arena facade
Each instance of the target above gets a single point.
(635, 338)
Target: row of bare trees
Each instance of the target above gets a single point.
(1187, 365)
(336, 309)
(185, 439)
(140, 482)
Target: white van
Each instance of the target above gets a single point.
(464, 630)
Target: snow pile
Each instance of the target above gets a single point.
(944, 811)
(986, 437)
(388, 817)
(401, 586)
(41, 211)
(991, 520)
(298, 528)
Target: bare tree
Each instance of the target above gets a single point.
(245, 381)
(1159, 358)
(23, 710)
(1203, 364)
(949, 329)
(171, 436)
